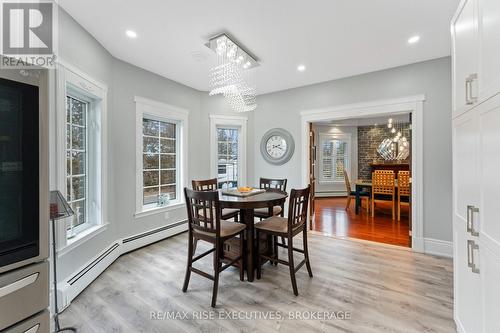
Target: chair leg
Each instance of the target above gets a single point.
(373, 206)
(242, 271)
(189, 262)
(259, 268)
(367, 205)
(306, 252)
(393, 208)
(399, 208)
(291, 265)
(217, 267)
(195, 245)
(275, 244)
(348, 203)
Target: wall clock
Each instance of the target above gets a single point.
(277, 146)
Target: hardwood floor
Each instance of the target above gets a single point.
(331, 218)
(381, 288)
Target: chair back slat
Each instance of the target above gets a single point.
(404, 183)
(203, 210)
(347, 183)
(277, 184)
(205, 185)
(383, 182)
(297, 207)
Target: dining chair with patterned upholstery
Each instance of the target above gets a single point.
(204, 223)
(384, 189)
(403, 190)
(289, 227)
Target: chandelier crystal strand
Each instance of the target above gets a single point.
(231, 75)
(395, 148)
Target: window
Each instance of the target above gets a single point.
(227, 157)
(76, 159)
(160, 147)
(80, 164)
(161, 156)
(228, 150)
(334, 157)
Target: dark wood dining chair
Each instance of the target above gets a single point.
(204, 215)
(273, 185)
(290, 227)
(211, 185)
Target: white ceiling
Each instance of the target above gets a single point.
(332, 38)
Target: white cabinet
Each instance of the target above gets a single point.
(464, 28)
(476, 165)
(489, 39)
(475, 32)
(467, 284)
(476, 222)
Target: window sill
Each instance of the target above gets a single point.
(158, 210)
(81, 238)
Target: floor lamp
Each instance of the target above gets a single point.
(59, 209)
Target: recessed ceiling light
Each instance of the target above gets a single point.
(414, 39)
(131, 34)
(301, 68)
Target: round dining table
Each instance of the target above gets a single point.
(246, 205)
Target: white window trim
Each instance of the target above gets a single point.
(159, 110)
(229, 121)
(70, 78)
(347, 137)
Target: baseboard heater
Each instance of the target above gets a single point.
(94, 263)
(76, 283)
(152, 232)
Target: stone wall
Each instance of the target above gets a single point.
(369, 138)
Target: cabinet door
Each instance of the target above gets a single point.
(489, 171)
(467, 285)
(465, 165)
(490, 274)
(465, 193)
(489, 49)
(465, 54)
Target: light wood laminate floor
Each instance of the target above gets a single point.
(382, 288)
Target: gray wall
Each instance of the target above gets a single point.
(431, 77)
(124, 81)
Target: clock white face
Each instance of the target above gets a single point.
(276, 146)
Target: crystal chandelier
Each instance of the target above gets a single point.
(231, 75)
(396, 148)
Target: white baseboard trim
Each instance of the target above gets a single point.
(438, 247)
(70, 288)
(329, 194)
(458, 323)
